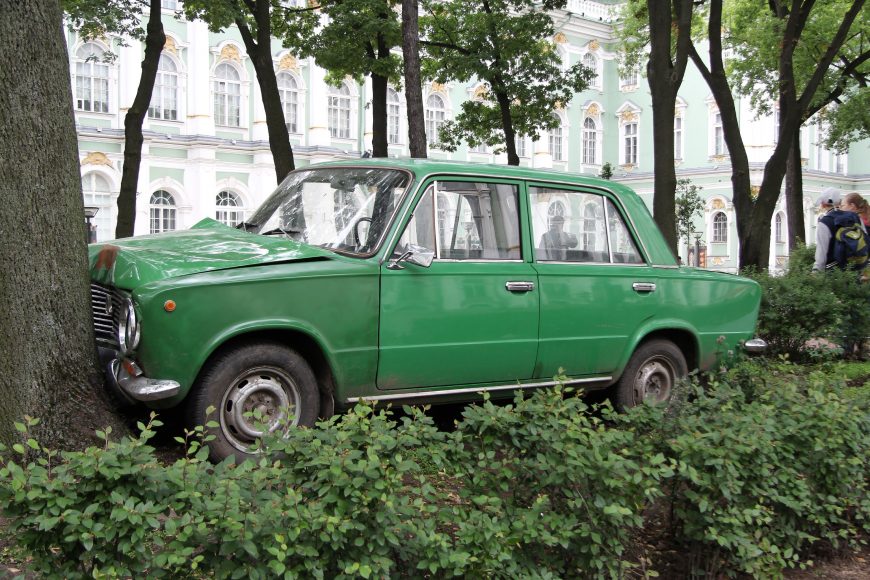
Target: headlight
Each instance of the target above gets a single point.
(128, 328)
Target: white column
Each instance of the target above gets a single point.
(129, 70)
(541, 156)
(200, 119)
(318, 108)
(259, 129)
(368, 133)
(200, 183)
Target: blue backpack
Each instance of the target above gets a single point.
(851, 247)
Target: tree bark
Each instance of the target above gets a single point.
(413, 84)
(507, 123)
(48, 360)
(379, 105)
(154, 41)
(260, 51)
(794, 196)
(665, 77)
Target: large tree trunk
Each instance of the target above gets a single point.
(154, 41)
(413, 84)
(504, 106)
(665, 77)
(48, 360)
(794, 196)
(379, 105)
(260, 51)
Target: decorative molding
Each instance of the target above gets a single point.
(230, 52)
(170, 46)
(438, 88)
(594, 46)
(560, 38)
(718, 158)
(717, 204)
(754, 190)
(97, 158)
(560, 106)
(288, 62)
(627, 167)
(628, 116)
(718, 261)
(593, 110)
(479, 93)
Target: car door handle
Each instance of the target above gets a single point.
(519, 286)
(641, 287)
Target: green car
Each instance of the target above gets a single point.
(407, 281)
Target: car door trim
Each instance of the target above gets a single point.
(448, 392)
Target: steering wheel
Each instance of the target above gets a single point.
(356, 237)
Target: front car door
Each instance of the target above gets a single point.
(596, 288)
(472, 316)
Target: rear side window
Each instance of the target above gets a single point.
(575, 226)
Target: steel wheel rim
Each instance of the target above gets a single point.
(268, 390)
(654, 380)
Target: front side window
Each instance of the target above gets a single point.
(227, 96)
(229, 208)
(164, 97)
(288, 90)
(472, 221)
(162, 209)
(590, 142)
(629, 144)
(579, 227)
(393, 117)
(347, 209)
(720, 228)
(91, 79)
(339, 112)
(436, 116)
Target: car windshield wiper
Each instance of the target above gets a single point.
(246, 226)
(290, 233)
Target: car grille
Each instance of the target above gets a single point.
(106, 305)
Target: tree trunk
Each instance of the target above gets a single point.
(507, 124)
(665, 77)
(154, 41)
(48, 360)
(379, 105)
(260, 51)
(794, 196)
(413, 84)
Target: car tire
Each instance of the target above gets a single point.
(263, 376)
(651, 374)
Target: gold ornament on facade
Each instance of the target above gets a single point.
(754, 190)
(560, 38)
(718, 261)
(717, 204)
(593, 46)
(230, 52)
(288, 62)
(560, 106)
(438, 88)
(170, 46)
(96, 158)
(628, 116)
(480, 93)
(593, 110)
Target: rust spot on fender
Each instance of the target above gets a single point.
(106, 258)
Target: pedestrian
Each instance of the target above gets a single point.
(855, 202)
(555, 242)
(828, 203)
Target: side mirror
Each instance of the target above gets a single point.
(418, 255)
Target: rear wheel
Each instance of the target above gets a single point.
(650, 374)
(255, 389)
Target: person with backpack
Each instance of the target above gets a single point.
(841, 238)
(855, 202)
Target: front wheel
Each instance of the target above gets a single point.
(255, 389)
(650, 374)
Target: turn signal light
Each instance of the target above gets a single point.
(169, 305)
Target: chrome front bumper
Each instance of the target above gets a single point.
(128, 381)
(755, 345)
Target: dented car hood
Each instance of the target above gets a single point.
(208, 245)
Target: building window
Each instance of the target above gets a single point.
(520, 144)
(720, 228)
(678, 137)
(718, 135)
(229, 209)
(393, 117)
(629, 144)
(97, 193)
(556, 140)
(435, 118)
(775, 126)
(840, 163)
(91, 79)
(778, 229)
(288, 90)
(628, 80)
(227, 96)
(169, 4)
(590, 62)
(339, 112)
(164, 97)
(162, 208)
(590, 142)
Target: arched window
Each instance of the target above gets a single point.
(557, 208)
(91, 79)
(591, 62)
(720, 227)
(97, 193)
(227, 96)
(590, 142)
(162, 208)
(164, 97)
(435, 117)
(393, 116)
(288, 90)
(556, 140)
(229, 208)
(779, 229)
(339, 112)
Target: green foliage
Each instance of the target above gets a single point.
(800, 307)
(756, 468)
(606, 171)
(506, 45)
(97, 18)
(689, 207)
